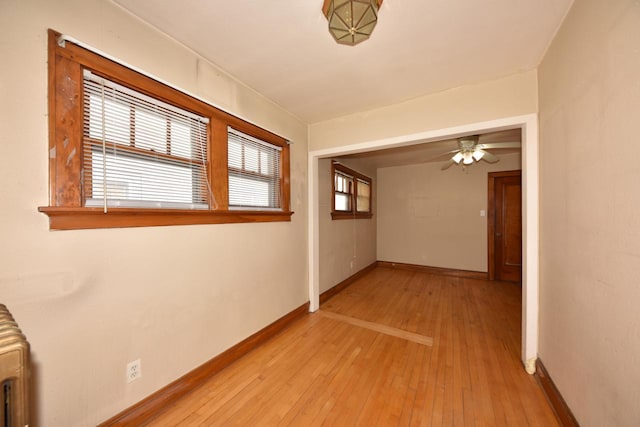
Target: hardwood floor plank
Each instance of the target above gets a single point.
(357, 388)
(410, 376)
(395, 348)
(321, 397)
(374, 404)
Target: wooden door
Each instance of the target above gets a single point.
(505, 226)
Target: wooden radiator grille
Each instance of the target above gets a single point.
(15, 372)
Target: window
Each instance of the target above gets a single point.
(254, 172)
(343, 192)
(141, 152)
(351, 198)
(126, 151)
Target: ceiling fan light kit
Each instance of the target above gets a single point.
(351, 21)
(469, 150)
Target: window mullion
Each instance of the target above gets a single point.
(218, 161)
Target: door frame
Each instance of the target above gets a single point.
(491, 218)
(528, 123)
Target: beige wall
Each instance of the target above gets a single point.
(510, 96)
(347, 245)
(90, 301)
(590, 212)
(427, 216)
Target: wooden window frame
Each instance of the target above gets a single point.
(353, 213)
(66, 208)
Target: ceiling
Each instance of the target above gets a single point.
(283, 50)
(438, 151)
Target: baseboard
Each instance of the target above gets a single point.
(560, 407)
(467, 274)
(346, 282)
(145, 410)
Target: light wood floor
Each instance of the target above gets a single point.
(328, 370)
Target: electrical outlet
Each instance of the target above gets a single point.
(134, 370)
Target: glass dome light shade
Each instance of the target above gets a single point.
(477, 155)
(352, 21)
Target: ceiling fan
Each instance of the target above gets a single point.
(470, 150)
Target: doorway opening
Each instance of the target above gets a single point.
(529, 128)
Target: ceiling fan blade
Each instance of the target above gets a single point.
(491, 158)
(448, 152)
(438, 157)
(500, 145)
(448, 165)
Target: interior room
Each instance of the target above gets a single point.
(319, 251)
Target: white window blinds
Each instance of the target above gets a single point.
(363, 204)
(141, 152)
(254, 172)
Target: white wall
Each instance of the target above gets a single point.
(506, 97)
(90, 301)
(431, 217)
(346, 245)
(590, 212)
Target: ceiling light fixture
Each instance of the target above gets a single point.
(467, 157)
(470, 150)
(351, 21)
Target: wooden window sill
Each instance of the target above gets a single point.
(351, 215)
(61, 218)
